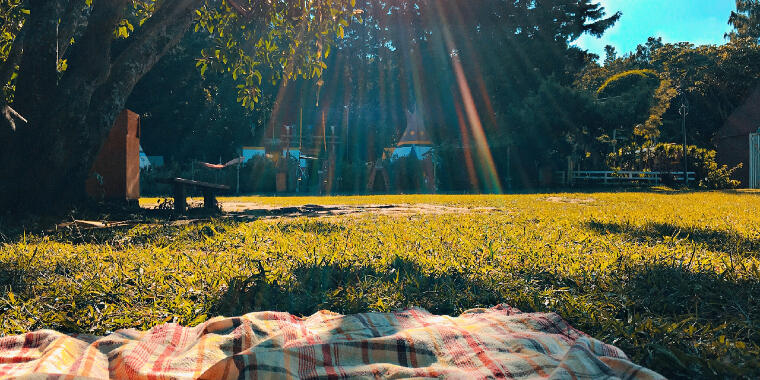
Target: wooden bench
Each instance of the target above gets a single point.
(209, 191)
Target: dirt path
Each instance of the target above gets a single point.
(256, 210)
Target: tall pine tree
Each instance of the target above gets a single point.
(745, 20)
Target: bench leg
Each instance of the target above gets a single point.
(180, 201)
(209, 200)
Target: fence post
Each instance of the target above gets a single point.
(754, 160)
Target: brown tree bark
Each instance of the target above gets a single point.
(6, 73)
(37, 75)
(73, 20)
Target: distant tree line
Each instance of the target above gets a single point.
(537, 99)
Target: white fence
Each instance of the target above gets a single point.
(616, 178)
(754, 160)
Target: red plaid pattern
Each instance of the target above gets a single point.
(500, 342)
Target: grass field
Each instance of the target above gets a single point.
(671, 278)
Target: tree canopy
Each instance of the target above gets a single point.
(70, 66)
(745, 20)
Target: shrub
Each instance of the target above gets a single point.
(627, 80)
(258, 175)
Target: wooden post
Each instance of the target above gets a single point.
(180, 202)
(209, 199)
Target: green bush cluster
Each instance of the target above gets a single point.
(622, 82)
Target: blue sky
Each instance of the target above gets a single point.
(697, 21)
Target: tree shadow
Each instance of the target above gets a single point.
(19, 273)
(287, 212)
(94, 225)
(158, 224)
(12, 278)
(309, 211)
(713, 239)
(356, 289)
(668, 299)
(316, 227)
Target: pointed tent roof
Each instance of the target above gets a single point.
(415, 133)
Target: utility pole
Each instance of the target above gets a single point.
(614, 145)
(347, 131)
(684, 110)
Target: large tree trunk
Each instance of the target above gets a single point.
(45, 164)
(163, 31)
(35, 87)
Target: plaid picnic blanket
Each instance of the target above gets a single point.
(500, 342)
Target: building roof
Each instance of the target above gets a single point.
(415, 133)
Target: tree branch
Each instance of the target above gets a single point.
(6, 72)
(90, 61)
(11, 116)
(13, 59)
(169, 13)
(73, 20)
(38, 73)
(242, 11)
(161, 32)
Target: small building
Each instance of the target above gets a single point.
(414, 141)
(150, 162)
(144, 160)
(732, 140)
(415, 144)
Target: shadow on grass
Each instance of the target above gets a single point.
(317, 227)
(93, 225)
(292, 211)
(681, 316)
(309, 211)
(356, 289)
(658, 303)
(712, 239)
(12, 278)
(18, 274)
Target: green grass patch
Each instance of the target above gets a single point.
(671, 278)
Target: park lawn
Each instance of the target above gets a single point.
(671, 278)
